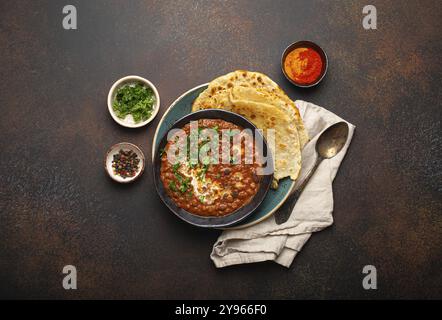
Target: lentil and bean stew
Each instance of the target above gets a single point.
(210, 188)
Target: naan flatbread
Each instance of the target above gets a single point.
(218, 91)
(286, 149)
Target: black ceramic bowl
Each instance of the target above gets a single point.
(212, 222)
(306, 44)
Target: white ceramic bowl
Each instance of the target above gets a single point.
(129, 121)
(115, 149)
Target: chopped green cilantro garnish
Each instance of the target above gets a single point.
(231, 133)
(175, 167)
(172, 186)
(136, 100)
(184, 184)
(191, 165)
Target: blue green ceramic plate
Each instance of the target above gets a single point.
(183, 106)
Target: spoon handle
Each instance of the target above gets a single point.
(284, 212)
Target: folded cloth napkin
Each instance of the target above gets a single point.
(313, 211)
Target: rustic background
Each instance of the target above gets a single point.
(58, 206)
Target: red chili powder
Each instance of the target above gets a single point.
(303, 65)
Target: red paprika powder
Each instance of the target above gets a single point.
(303, 65)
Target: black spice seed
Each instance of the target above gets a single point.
(125, 163)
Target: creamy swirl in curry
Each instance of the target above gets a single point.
(207, 188)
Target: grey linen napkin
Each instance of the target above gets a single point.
(313, 211)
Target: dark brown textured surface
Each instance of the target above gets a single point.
(58, 206)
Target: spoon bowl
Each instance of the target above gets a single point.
(329, 143)
(332, 140)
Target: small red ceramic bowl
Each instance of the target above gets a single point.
(310, 45)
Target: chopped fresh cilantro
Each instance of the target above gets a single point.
(184, 184)
(175, 167)
(191, 165)
(136, 100)
(172, 186)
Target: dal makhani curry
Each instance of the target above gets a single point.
(217, 183)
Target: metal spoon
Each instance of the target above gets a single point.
(328, 145)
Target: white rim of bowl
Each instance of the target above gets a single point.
(121, 121)
(142, 158)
